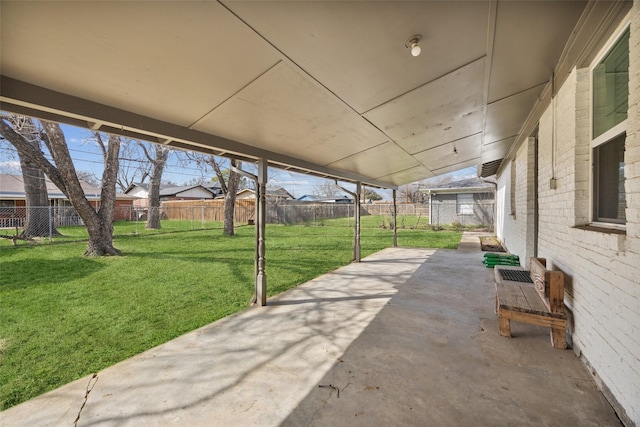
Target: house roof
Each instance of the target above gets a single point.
(169, 191)
(214, 185)
(322, 87)
(12, 188)
(468, 185)
(144, 186)
(336, 199)
(279, 192)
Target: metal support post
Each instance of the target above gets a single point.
(261, 276)
(395, 221)
(356, 214)
(261, 209)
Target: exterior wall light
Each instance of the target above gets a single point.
(412, 44)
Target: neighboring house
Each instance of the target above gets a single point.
(277, 194)
(468, 202)
(13, 202)
(337, 199)
(214, 187)
(245, 194)
(172, 192)
(308, 198)
(317, 199)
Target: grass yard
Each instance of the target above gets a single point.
(64, 316)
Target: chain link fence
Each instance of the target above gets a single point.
(52, 222)
(452, 214)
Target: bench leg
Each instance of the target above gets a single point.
(558, 338)
(505, 326)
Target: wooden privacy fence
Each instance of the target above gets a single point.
(207, 210)
(296, 211)
(280, 211)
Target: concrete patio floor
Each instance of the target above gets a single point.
(408, 337)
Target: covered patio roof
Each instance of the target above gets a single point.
(322, 87)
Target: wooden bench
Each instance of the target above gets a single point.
(539, 300)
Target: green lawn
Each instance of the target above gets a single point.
(63, 315)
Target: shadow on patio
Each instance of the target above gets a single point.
(407, 337)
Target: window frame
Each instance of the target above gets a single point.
(7, 207)
(608, 136)
(461, 207)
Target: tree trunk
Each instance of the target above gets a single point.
(230, 199)
(38, 221)
(161, 155)
(37, 217)
(99, 223)
(63, 175)
(107, 200)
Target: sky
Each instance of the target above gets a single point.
(87, 157)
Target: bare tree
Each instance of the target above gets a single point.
(37, 221)
(370, 194)
(89, 177)
(132, 166)
(158, 160)
(63, 174)
(229, 182)
(229, 189)
(410, 193)
(326, 189)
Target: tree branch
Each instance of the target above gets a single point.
(33, 154)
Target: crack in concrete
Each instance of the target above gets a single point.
(92, 382)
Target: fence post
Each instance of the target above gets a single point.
(50, 224)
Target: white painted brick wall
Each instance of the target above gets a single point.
(603, 269)
(516, 232)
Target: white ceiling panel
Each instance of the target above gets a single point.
(505, 117)
(452, 153)
(455, 167)
(410, 175)
(293, 115)
(496, 150)
(303, 84)
(167, 60)
(357, 48)
(517, 24)
(385, 159)
(447, 109)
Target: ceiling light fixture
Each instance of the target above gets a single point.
(412, 44)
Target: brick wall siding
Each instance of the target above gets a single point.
(516, 231)
(603, 269)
